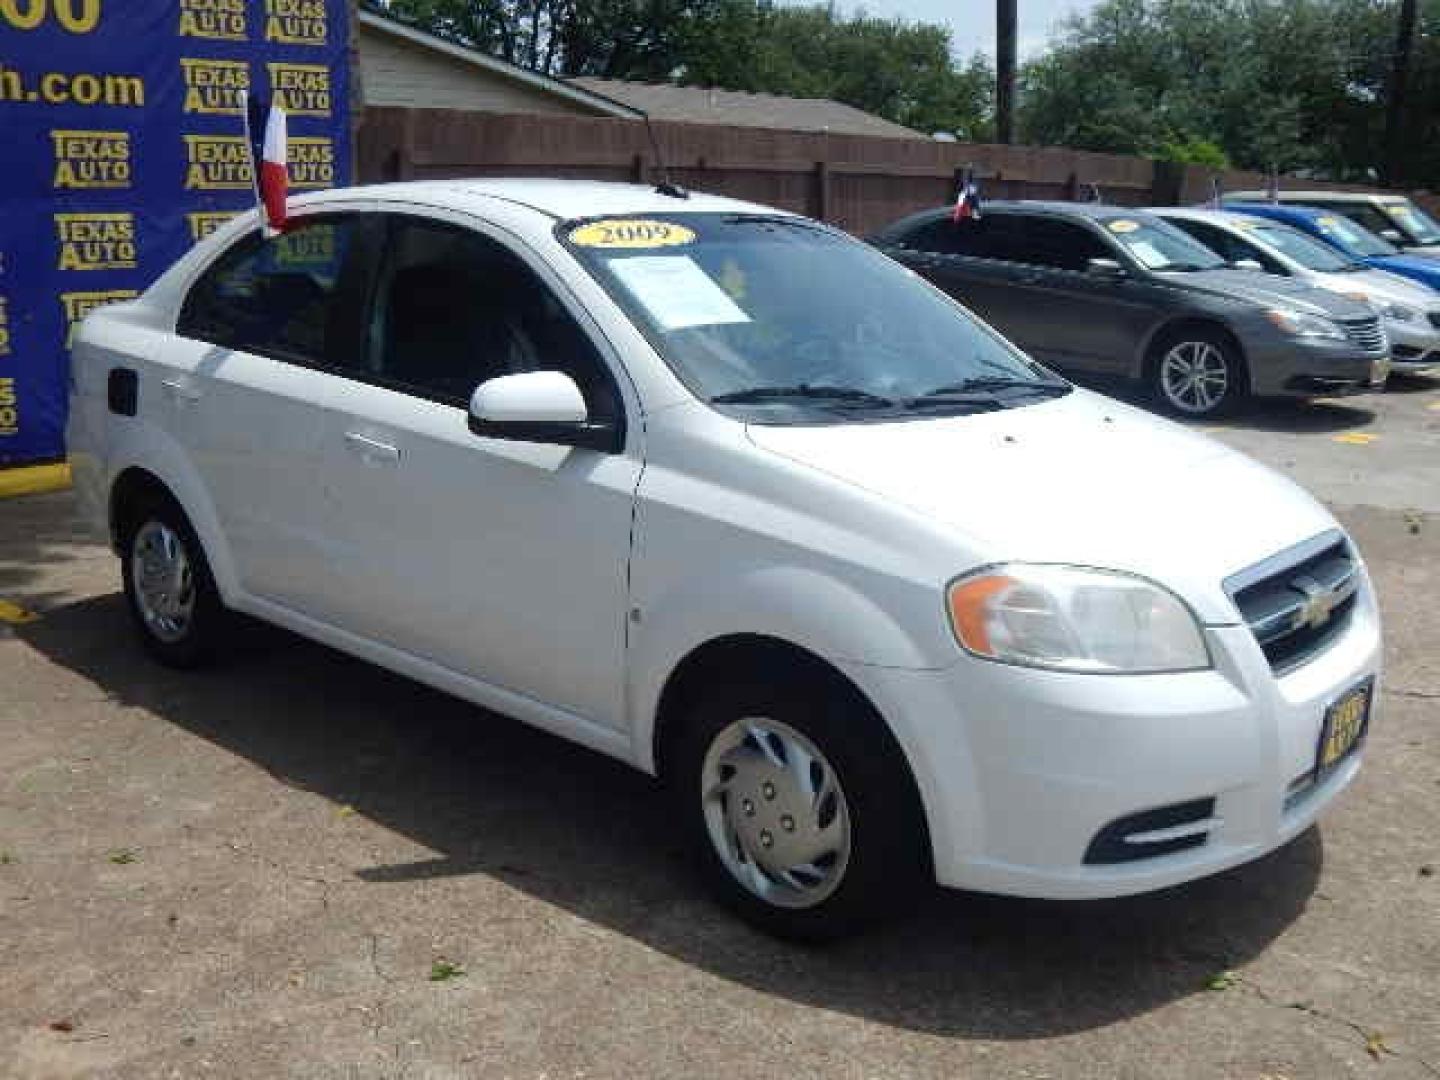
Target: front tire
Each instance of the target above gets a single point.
(1198, 373)
(798, 807)
(169, 589)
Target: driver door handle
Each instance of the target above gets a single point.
(371, 449)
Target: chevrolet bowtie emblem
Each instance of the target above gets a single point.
(1319, 603)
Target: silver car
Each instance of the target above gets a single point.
(1411, 311)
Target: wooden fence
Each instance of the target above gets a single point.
(859, 183)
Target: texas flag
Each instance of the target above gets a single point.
(265, 132)
(967, 202)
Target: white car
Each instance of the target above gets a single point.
(1410, 311)
(732, 497)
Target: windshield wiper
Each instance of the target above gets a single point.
(1184, 268)
(982, 384)
(839, 395)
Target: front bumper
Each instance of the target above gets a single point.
(1414, 346)
(1021, 769)
(1305, 366)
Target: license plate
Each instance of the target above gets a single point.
(1379, 372)
(1345, 723)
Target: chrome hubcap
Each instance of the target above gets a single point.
(775, 812)
(164, 585)
(1194, 376)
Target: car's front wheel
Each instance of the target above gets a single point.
(168, 586)
(1199, 373)
(799, 807)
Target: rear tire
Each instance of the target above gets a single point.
(1198, 373)
(797, 806)
(169, 590)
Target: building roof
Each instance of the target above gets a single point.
(374, 18)
(705, 105)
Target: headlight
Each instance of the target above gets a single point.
(1303, 325)
(1399, 312)
(1072, 619)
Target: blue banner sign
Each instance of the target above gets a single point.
(122, 143)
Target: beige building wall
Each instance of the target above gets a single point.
(395, 72)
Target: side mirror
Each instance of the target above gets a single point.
(1109, 269)
(1395, 236)
(539, 407)
(1253, 265)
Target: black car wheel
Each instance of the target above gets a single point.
(798, 806)
(1198, 373)
(168, 586)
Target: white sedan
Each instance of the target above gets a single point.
(726, 494)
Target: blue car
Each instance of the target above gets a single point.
(1354, 240)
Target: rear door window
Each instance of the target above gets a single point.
(298, 297)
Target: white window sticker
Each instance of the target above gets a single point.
(1147, 253)
(676, 292)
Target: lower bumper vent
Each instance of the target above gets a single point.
(1152, 833)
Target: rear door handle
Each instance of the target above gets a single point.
(371, 449)
(180, 390)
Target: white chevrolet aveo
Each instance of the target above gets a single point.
(728, 495)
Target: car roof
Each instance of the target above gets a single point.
(1202, 213)
(1322, 196)
(560, 199)
(1282, 211)
(1094, 211)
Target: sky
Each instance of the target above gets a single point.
(972, 22)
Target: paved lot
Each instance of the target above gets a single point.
(251, 872)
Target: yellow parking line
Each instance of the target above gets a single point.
(15, 615)
(33, 480)
(1434, 406)
(1356, 438)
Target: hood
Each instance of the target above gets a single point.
(1414, 267)
(1271, 290)
(1383, 285)
(1081, 479)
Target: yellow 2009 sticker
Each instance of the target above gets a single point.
(631, 234)
(1124, 225)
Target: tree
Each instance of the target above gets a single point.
(1299, 84)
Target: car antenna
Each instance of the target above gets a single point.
(664, 187)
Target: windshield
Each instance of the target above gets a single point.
(1311, 254)
(1158, 245)
(1351, 238)
(783, 320)
(1414, 222)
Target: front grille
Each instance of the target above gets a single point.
(1367, 333)
(1299, 601)
(1434, 317)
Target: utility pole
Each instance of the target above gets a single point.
(1394, 172)
(1005, 17)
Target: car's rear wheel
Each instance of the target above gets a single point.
(168, 586)
(798, 806)
(1199, 373)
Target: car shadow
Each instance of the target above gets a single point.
(1302, 416)
(1401, 383)
(581, 831)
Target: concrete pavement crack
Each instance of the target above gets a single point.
(1366, 1034)
(1424, 695)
